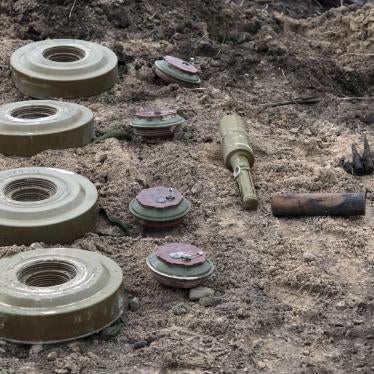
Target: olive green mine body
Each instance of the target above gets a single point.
(64, 68)
(179, 273)
(238, 156)
(174, 70)
(153, 209)
(179, 278)
(157, 127)
(51, 295)
(45, 205)
(30, 127)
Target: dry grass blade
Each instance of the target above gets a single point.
(72, 8)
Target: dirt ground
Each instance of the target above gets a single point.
(291, 295)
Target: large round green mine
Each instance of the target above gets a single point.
(51, 295)
(33, 126)
(65, 68)
(45, 205)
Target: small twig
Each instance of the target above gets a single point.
(317, 3)
(358, 54)
(148, 6)
(297, 100)
(352, 98)
(204, 36)
(72, 8)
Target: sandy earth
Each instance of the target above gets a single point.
(291, 295)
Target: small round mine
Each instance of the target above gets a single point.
(156, 123)
(160, 207)
(180, 265)
(175, 70)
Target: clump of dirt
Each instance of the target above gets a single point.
(291, 295)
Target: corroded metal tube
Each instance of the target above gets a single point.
(318, 204)
(238, 156)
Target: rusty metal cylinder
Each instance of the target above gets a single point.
(318, 204)
(238, 156)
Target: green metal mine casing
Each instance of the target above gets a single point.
(65, 68)
(159, 207)
(175, 70)
(238, 156)
(45, 205)
(52, 295)
(155, 123)
(158, 122)
(30, 127)
(170, 268)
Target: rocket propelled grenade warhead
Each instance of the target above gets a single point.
(238, 156)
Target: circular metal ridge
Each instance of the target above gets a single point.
(45, 205)
(30, 127)
(179, 276)
(166, 216)
(156, 133)
(51, 295)
(155, 113)
(63, 68)
(154, 207)
(155, 123)
(171, 74)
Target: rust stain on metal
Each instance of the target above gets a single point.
(166, 252)
(155, 113)
(318, 204)
(181, 65)
(159, 198)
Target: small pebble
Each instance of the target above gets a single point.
(36, 349)
(309, 257)
(200, 292)
(52, 356)
(340, 305)
(140, 344)
(134, 304)
(75, 347)
(179, 310)
(61, 371)
(210, 301)
(261, 365)
(101, 157)
(36, 245)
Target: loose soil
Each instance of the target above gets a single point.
(291, 295)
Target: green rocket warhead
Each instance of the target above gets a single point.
(238, 156)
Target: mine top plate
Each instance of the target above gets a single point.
(180, 64)
(171, 254)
